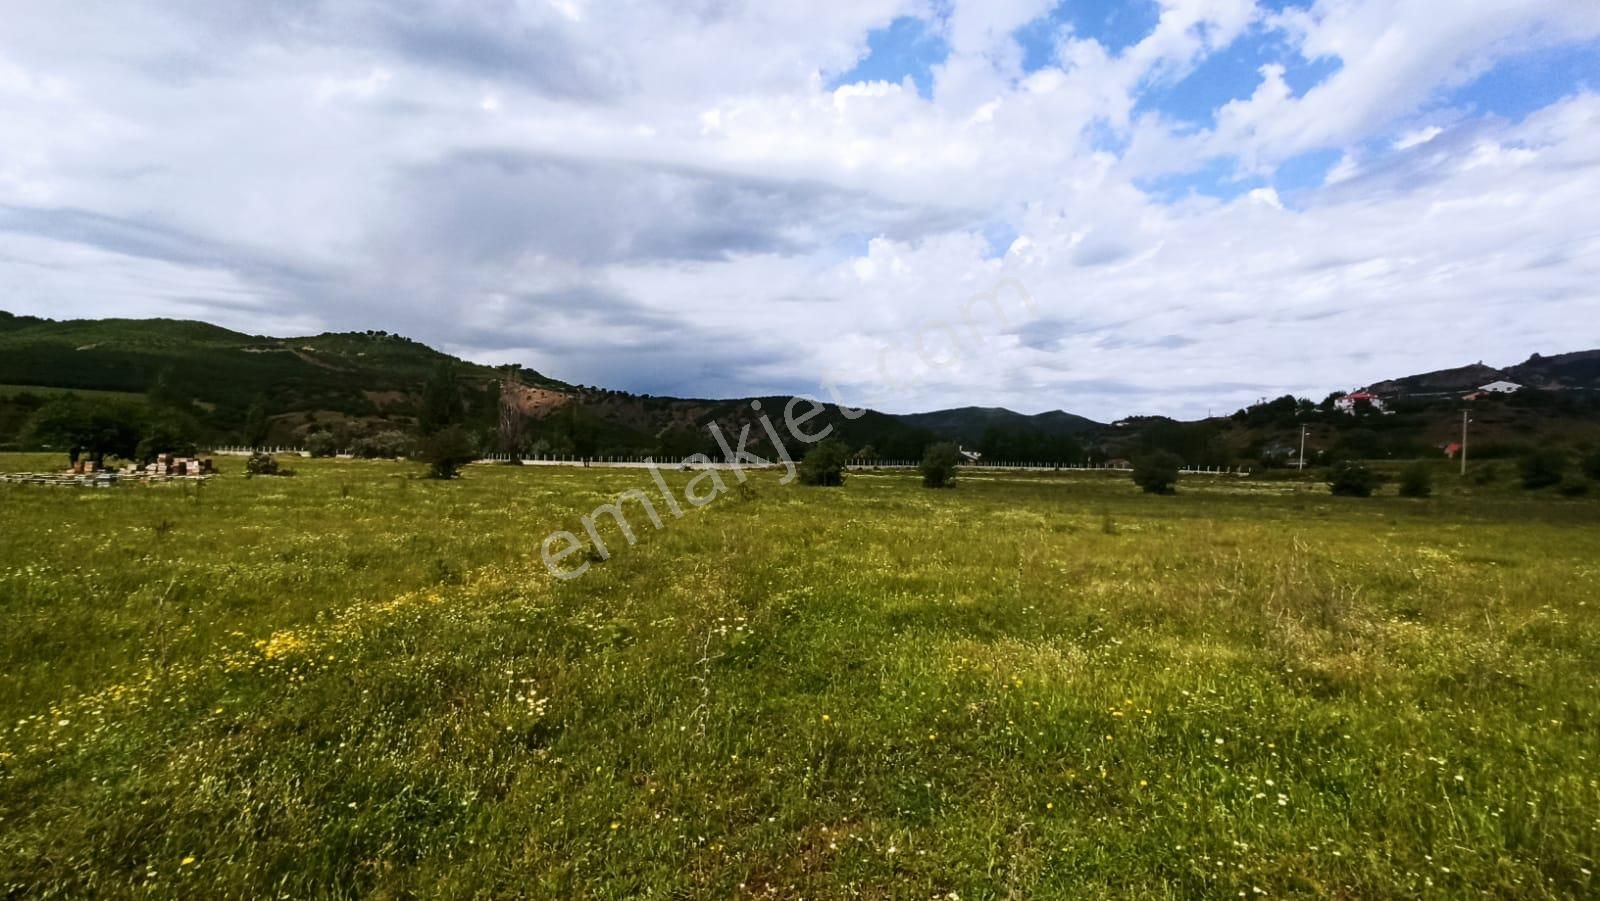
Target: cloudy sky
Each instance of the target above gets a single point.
(1106, 206)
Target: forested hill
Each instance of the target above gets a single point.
(353, 384)
(369, 389)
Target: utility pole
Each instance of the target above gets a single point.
(1302, 448)
(1465, 418)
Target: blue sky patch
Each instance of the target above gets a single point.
(909, 46)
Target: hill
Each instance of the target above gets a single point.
(352, 386)
(359, 383)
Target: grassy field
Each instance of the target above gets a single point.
(355, 682)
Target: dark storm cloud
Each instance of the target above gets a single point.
(489, 205)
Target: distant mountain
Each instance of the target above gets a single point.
(360, 382)
(970, 424)
(1580, 370)
(353, 385)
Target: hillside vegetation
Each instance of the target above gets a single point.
(366, 389)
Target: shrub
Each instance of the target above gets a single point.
(1591, 465)
(1487, 474)
(1157, 472)
(939, 465)
(1416, 480)
(389, 445)
(1543, 468)
(824, 465)
(261, 464)
(445, 452)
(1573, 486)
(1352, 479)
(321, 444)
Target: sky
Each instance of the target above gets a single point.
(1112, 207)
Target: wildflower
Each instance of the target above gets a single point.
(615, 826)
(826, 718)
(187, 861)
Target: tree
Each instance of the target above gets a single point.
(257, 426)
(79, 426)
(445, 452)
(939, 465)
(389, 444)
(1416, 480)
(509, 404)
(1352, 479)
(1591, 465)
(1157, 472)
(321, 444)
(168, 431)
(442, 406)
(824, 465)
(1543, 468)
(167, 391)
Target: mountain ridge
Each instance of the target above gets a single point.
(353, 384)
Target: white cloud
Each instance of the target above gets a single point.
(679, 198)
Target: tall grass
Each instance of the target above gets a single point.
(354, 682)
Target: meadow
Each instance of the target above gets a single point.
(354, 682)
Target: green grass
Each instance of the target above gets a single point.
(354, 682)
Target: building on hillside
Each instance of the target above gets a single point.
(1500, 387)
(1351, 402)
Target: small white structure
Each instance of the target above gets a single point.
(969, 457)
(1347, 404)
(1501, 387)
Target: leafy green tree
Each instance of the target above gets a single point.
(79, 426)
(389, 445)
(824, 465)
(1416, 480)
(1543, 468)
(257, 426)
(445, 452)
(168, 431)
(321, 444)
(1591, 465)
(1351, 479)
(1157, 472)
(1573, 486)
(167, 391)
(939, 465)
(442, 405)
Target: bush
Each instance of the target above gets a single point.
(445, 452)
(1487, 474)
(261, 464)
(1157, 472)
(824, 465)
(1352, 479)
(321, 444)
(1543, 468)
(1591, 465)
(939, 465)
(1416, 480)
(1573, 486)
(389, 445)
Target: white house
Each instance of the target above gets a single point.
(1347, 404)
(1501, 387)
